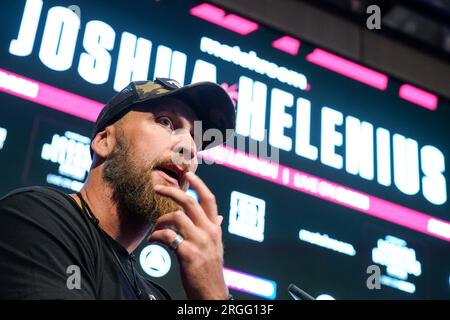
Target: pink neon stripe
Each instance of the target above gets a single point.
(349, 69)
(366, 203)
(217, 16)
(287, 44)
(244, 279)
(418, 96)
(58, 99)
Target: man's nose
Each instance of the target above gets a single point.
(185, 146)
(185, 153)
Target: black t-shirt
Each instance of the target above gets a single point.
(50, 249)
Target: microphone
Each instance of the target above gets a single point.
(298, 294)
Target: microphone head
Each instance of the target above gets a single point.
(298, 294)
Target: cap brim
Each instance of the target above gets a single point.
(212, 105)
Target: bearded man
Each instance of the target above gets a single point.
(144, 159)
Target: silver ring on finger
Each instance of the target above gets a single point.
(176, 242)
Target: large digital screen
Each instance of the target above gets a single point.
(336, 179)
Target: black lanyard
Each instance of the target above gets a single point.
(133, 284)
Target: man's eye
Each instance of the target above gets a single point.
(166, 122)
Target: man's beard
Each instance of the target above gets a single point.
(132, 186)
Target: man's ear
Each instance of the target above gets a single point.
(104, 142)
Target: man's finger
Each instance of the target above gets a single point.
(165, 236)
(192, 209)
(206, 197)
(179, 221)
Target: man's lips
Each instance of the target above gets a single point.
(172, 173)
(167, 177)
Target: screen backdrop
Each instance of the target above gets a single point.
(351, 171)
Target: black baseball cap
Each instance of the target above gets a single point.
(210, 102)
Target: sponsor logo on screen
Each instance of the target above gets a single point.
(155, 260)
(71, 152)
(247, 216)
(400, 261)
(325, 241)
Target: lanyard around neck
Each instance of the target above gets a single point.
(133, 284)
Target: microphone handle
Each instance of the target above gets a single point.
(299, 294)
